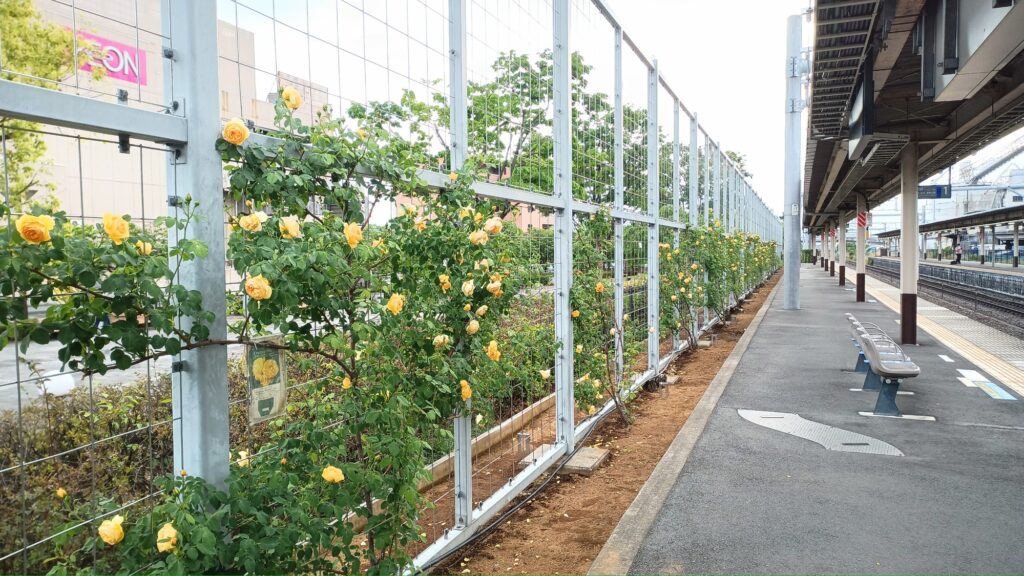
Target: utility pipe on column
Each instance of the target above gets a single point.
(981, 244)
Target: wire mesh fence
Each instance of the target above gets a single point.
(81, 447)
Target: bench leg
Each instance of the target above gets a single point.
(886, 403)
(872, 381)
(862, 365)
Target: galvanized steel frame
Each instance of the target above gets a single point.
(190, 130)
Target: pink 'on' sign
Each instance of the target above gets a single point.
(120, 60)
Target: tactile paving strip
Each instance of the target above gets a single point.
(830, 437)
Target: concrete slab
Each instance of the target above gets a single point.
(585, 461)
(752, 500)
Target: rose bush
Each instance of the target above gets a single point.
(402, 351)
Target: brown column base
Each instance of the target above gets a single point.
(832, 268)
(842, 275)
(983, 259)
(1016, 261)
(908, 318)
(860, 287)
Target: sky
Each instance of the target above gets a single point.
(726, 61)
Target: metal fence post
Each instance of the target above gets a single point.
(719, 213)
(694, 178)
(459, 126)
(562, 133)
(653, 230)
(620, 252)
(675, 194)
(200, 389)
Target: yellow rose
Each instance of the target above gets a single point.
(284, 461)
(258, 287)
(473, 327)
(694, 266)
(467, 289)
(361, 134)
(545, 374)
(482, 311)
(492, 351)
(243, 459)
(250, 222)
(377, 243)
(441, 341)
(484, 264)
(453, 176)
(579, 348)
(465, 212)
(467, 307)
(674, 298)
(289, 227)
(625, 317)
(478, 237)
(292, 98)
(575, 313)
(183, 473)
(493, 225)
(395, 303)
(34, 229)
(494, 288)
(420, 224)
(143, 248)
(110, 530)
(166, 538)
(333, 474)
(346, 383)
(116, 228)
(477, 217)
(264, 370)
(599, 287)
(61, 493)
(445, 282)
(353, 234)
(467, 391)
(591, 410)
(235, 131)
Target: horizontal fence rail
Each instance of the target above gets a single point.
(609, 179)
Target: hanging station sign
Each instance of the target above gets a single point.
(933, 192)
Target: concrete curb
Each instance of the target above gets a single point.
(622, 546)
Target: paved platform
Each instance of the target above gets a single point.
(751, 499)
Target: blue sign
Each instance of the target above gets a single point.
(934, 192)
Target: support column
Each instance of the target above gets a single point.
(994, 240)
(459, 126)
(1016, 244)
(565, 411)
(824, 251)
(842, 252)
(938, 246)
(908, 245)
(831, 249)
(200, 389)
(981, 244)
(862, 237)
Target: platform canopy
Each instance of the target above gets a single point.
(947, 75)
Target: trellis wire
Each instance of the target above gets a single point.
(354, 53)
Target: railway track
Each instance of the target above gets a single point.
(990, 305)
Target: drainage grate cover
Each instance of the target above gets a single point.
(830, 437)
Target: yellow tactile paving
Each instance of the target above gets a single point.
(993, 365)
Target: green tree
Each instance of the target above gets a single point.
(39, 53)
(741, 162)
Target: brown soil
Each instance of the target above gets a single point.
(563, 529)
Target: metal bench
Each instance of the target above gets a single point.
(887, 365)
